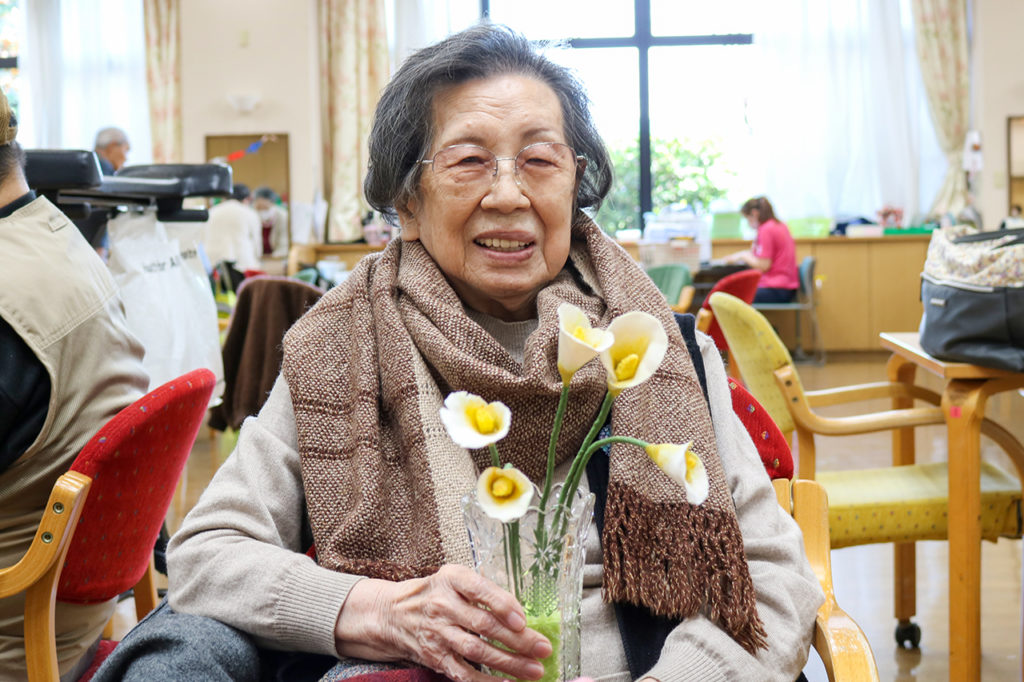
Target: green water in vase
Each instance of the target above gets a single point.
(549, 625)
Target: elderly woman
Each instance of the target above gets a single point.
(486, 154)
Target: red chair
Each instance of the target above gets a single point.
(742, 285)
(839, 641)
(126, 475)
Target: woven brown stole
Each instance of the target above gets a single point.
(368, 368)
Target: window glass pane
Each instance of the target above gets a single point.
(702, 145)
(10, 22)
(610, 76)
(699, 17)
(546, 20)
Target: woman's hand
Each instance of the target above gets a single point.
(437, 622)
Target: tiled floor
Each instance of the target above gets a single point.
(863, 575)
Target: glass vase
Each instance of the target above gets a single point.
(539, 559)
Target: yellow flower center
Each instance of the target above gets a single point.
(692, 463)
(625, 369)
(589, 336)
(626, 357)
(502, 488)
(484, 418)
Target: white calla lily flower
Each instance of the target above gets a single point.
(684, 467)
(472, 422)
(504, 494)
(638, 348)
(578, 342)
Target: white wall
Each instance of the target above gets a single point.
(264, 47)
(998, 92)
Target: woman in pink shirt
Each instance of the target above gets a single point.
(773, 253)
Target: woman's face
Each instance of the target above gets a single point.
(753, 218)
(498, 249)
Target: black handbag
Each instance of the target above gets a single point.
(972, 289)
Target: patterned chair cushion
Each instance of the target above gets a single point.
(768, 439)
(909, 503)
(135, 461)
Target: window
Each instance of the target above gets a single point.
(665, 79)
(10, 29)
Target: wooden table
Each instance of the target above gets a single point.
(967, 388)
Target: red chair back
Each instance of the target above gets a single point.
(135, 462)
(742, 285)
(771, 445)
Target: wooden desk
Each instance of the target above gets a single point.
(963, 403)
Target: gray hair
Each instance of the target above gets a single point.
(403, 124)
(109, 136)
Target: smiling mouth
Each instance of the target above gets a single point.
(505, 245)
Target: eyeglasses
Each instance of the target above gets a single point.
(469, 170)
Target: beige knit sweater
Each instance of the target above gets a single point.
(238, 558)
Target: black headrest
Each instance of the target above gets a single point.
(196, 179)
(56, 169)
(164, 185)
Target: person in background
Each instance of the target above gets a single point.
(773, 253)
(233, 232)
(1014, 220)
(112, 148)
(274, 220)
(68, 363)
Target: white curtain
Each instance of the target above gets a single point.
(413, 24)
(85, 67)
(841, 117)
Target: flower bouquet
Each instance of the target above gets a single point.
(529, 539)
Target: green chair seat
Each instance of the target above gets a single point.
(670, 279)
(910, 503)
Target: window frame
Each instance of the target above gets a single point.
(643, 40)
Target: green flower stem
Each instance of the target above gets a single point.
(510, 558)
(595, 428)
(540, 533)
(552, 442)
(573, 481)
(517, 563)
(495, 459)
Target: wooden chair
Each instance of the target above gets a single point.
(96, 537)
(676, 282)
(839, 641)
(900, 504)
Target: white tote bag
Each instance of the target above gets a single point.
(167, 297)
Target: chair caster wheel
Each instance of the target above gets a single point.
(908, 634)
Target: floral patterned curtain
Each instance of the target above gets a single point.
(163, 75)
(941, 34)
(353, 71)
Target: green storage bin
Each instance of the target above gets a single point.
(809, 228)
(727, 226)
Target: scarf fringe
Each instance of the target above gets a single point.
(677, 559)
